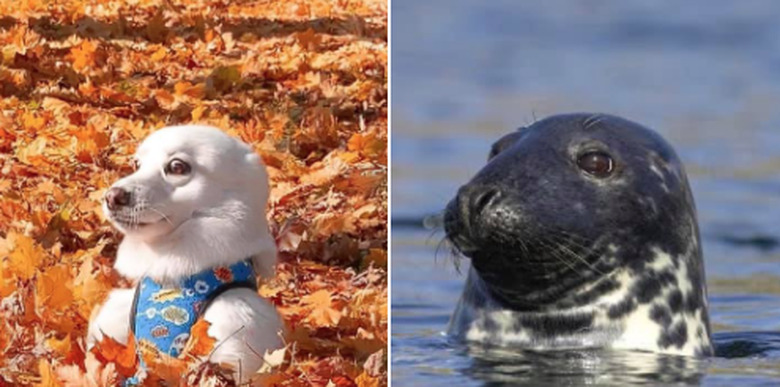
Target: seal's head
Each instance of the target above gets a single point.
(568, 206)
(196, 199)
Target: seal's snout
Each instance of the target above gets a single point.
(475, 202)
(117, 198)
(469, 216)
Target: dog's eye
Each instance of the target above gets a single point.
(135, 164)
(596, 163)
(177, 167)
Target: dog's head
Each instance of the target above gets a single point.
(196, 195)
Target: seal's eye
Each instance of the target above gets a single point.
(596, 163)
(177, 167)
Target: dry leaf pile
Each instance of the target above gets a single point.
(82, 82)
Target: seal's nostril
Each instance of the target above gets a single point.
(474, 200)
(117, 197)
(483, 198)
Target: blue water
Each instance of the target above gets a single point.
(705, 74)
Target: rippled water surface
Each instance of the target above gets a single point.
(705, 74)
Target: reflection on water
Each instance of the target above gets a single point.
(705, 74)
(576, 368)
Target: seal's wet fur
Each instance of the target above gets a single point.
(564, 259)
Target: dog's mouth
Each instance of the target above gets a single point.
(134, 224)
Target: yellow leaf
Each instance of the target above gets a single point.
(25, 257)
(48, 379)
(32, 121)
(54, 288)
(366, 380)
(197, 113)
(91, 286)
(188, 89)
(159, 54)
(7, 281)
(64, 347)
(322, 313)
(83, 55)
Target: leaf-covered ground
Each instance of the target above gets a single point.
(82, 82)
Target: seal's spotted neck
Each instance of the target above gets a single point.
(657, 309)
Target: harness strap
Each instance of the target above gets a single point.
(134, 308)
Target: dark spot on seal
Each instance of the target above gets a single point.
(692, 303)
(661, 315)
(676, 335)
(651, 285)
(489, 325)
(623, 308)
(675, 300)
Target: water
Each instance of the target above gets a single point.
(705, 74)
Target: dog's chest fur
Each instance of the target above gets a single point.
(658, 309)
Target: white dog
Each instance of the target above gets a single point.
(195, 203)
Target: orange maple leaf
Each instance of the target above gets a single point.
(109, 350)
(161, 368)
(70, 353)
(54, 289)
(91, 286)
(26, 256)
(83, 55)
(185, 88)
(200, 344)
(322, 312)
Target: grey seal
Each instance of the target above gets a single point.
(582, 233)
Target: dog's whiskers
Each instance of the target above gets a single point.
(167, 219)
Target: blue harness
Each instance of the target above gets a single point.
(163, 316)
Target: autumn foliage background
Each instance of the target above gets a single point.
(83, 82)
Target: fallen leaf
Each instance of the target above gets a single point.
(322, 312)
(109, 350)
(25, 257)
(200, 344)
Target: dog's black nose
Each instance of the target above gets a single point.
(475, 202)
(117, 197)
